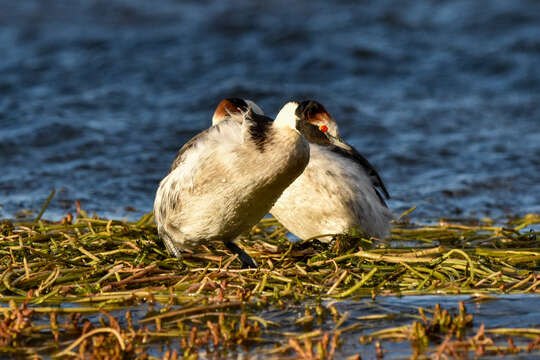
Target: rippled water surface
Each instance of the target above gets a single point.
(443, 97)
(510, 311)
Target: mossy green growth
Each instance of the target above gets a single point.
(89, 265)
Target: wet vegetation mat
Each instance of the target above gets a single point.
(87, 287)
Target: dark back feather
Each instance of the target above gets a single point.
(258, 127)
(376, 180)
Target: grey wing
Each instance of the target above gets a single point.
(376, 181)
(226, 130)
(187, 146)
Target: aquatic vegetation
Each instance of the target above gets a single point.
(107, 289)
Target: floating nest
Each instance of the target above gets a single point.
(87, 287)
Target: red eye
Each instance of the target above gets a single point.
(323, 128)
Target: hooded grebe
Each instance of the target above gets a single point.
(226, 178)
(338, 191)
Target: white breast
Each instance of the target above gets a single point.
(225, 185)
(332, 196)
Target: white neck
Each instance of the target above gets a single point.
(286, 116)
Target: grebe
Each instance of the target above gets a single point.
(338, 191)
(226, 178)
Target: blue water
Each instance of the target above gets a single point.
(443, 97)
(507, 311)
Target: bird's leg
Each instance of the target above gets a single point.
(247, 261)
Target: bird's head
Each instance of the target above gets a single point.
(312, 120)
(315, 114)
(232, 107)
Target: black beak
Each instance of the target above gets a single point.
(314, 135)
(338, 141)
